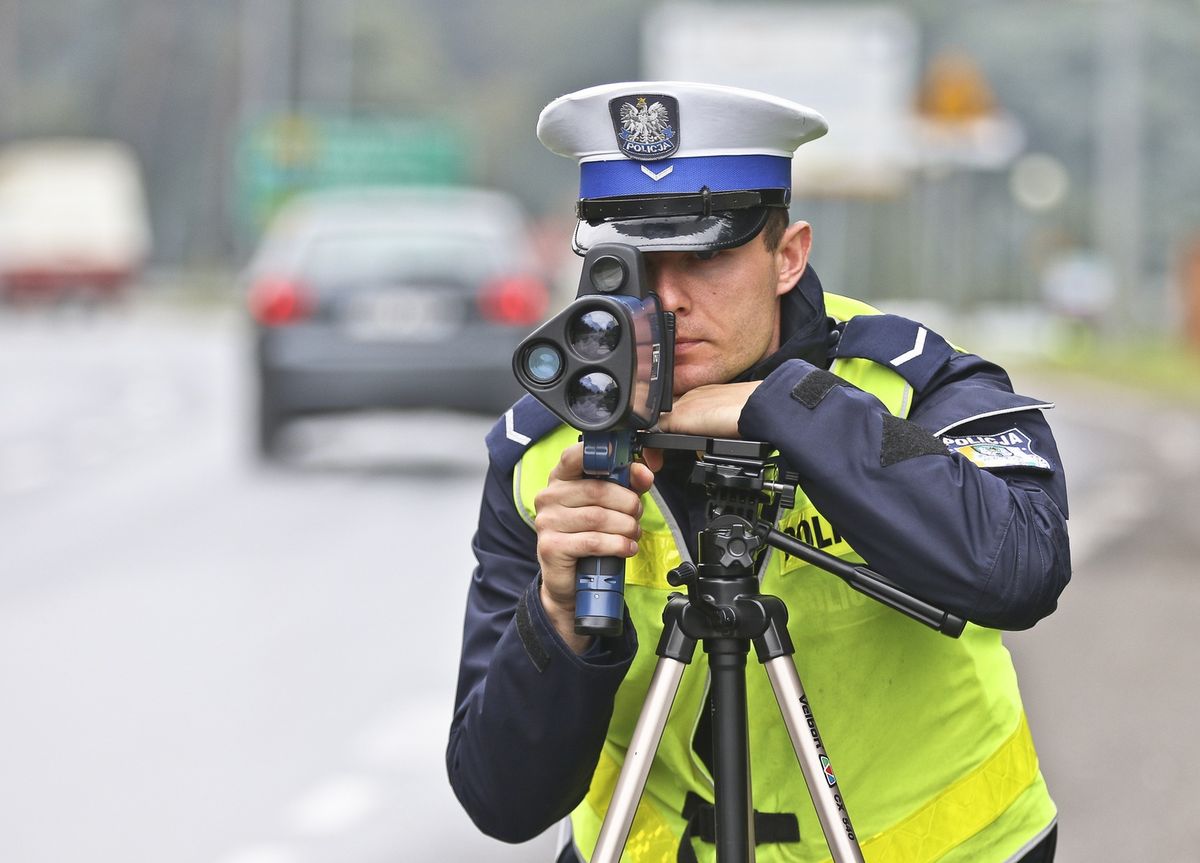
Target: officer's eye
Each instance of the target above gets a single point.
(706, 255)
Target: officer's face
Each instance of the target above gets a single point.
(726, 306)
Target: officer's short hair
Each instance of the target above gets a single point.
(772, 232)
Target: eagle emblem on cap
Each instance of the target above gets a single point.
(647, 127)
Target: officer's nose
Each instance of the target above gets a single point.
(667, 277)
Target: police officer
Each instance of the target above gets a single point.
(913, 456)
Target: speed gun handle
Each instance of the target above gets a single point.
(869, 582)
(599, 596)
(600, 581)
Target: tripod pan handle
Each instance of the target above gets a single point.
(869, 582)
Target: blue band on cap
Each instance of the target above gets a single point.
(684, 175)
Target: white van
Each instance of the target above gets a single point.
(72, 217)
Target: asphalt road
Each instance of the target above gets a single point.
(1109, 679)
(206, 661)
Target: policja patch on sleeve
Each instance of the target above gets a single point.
(1012, 448)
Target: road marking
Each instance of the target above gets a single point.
(25, 466)
(140, 416)
(334, 806)
(149, 402)
(265, 853)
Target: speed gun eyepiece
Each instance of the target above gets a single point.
(605, 361)
(607, 274)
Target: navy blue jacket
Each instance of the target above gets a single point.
(988, 544)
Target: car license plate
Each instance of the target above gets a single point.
(405, 315)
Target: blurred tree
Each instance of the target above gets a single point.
(400, 63)
(174, 79)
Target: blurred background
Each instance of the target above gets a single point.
(263, 263)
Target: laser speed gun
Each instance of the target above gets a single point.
(604, 366)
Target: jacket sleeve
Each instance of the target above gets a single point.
(530, 716)
(990, 545)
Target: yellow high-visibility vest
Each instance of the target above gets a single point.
(927, 734)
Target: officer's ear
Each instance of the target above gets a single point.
(792, 255)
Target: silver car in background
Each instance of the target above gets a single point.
(390, 298)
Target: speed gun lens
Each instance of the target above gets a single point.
(594, 334)
(607, 274)
(543, 363)
(593, 397)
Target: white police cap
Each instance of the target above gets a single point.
(677, 166)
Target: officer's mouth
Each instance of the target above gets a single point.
(686, 346)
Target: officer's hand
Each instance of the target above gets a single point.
(712, 410)
(581, 517)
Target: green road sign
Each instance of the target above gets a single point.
(280, 155)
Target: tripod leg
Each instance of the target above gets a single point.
(731, 752)
(814, 763)
(642, 746)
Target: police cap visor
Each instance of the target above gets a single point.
(720, 230)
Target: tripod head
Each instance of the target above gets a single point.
(745, 487)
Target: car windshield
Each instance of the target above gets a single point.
(333, 259)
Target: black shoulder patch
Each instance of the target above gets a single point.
(910, 349)
(814, 386)
(522, 424)
(903, 440)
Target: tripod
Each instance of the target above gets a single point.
(724, 610)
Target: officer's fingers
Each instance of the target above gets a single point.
(585, 519)
(588, 492)
(653, 458)
(563, 549)
(558, 555)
